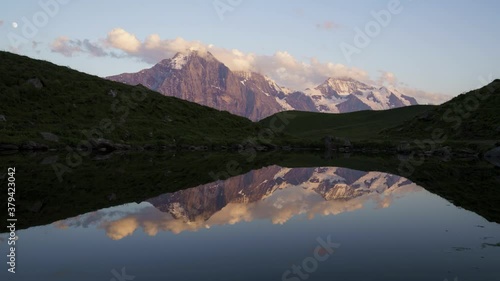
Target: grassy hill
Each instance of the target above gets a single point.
(470, 116)
(38, 96)
(470, 121)
(357, 126)
(131, 177)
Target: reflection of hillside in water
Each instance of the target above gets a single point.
(273, 193)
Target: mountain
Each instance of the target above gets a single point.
(468, 124)
(199, 77)
(56, 106)
(340, 95)
(329, 183)
(136, 177)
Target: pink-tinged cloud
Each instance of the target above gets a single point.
(424, 97)
(64, 46)
(387, 78)
(121, 39)
(328, 25)
(281, 66)
(390, 80)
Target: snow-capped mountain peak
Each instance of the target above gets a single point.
(343, 86)
(196, 75)
(182, 58)
(345, 94)
(178, 61)
(281, 187)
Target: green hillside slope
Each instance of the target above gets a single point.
(358, 126)
(38, 97)
(471, 116)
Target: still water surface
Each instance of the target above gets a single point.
(274, 223)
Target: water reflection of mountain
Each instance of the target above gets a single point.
(134, 177)
(273, 193)
(332, 184)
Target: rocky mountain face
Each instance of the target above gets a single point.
(199, 77)
(332, 184)
(203, 201)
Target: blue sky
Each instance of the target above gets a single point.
(434, 46)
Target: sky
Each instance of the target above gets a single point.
(430, 49)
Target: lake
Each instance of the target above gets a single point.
(275, 222)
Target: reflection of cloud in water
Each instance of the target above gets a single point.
(279, 207)
(95, 218)
(84, 221)
(123, 227)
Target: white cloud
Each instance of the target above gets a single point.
(281, 66)
(63, 45)
(121, 39)
(122, 228)
(425, 97)
(388, 78)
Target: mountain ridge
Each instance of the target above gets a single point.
(201, 78)
(331, 183)
(204, 80)
(39, 97)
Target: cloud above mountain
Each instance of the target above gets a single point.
(281, 66)
(424, 97)
(387, 78)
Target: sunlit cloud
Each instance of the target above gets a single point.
(122, 228)
(281, 66)
(425, 97)
(388, 78)
(121, 39)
